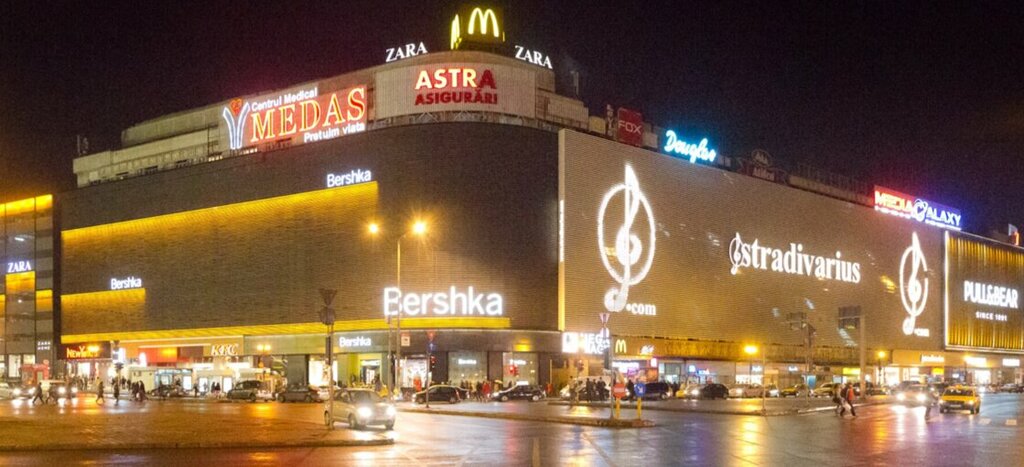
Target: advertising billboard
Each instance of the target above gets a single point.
(298, 115)
(676, 250)
(919, 209)
(629, 127)
(983, 287)
(455, 86)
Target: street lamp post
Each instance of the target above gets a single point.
(419, 228)
(881, 372)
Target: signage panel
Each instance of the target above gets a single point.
(87, 351)
(684, 252)
(455, 86)
(919, 209)
(630, 127)
(983, 295)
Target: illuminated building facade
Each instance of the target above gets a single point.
(27, 230)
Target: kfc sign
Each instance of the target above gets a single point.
(630, 127)
(301, 115)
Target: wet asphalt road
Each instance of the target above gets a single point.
(879, 435)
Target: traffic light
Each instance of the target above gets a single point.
(433, 361)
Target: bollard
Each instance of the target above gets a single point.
(639, 408)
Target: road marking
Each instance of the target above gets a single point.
(1011, 422)
(600, 451)
(985, 421)
(536, 452)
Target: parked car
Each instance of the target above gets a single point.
(960, 398)
(799, 390)
(525, 391)
(657, 391)
(826, 389)
(714, 391)
(300, 393)
(690, 391)
(251, 391)
(745, 390)
(441, 393)
(1013, 388)
(360, 407)
(166, 390)
(773, 390)
(584, 395)
(914, 394)
(9, 390)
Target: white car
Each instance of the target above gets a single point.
(360, 407)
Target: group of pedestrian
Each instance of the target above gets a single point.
(843, 397)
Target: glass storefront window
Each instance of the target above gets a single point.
(467, 366)
(519, 367)
(413, 368)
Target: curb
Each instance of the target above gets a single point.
(587, 421)
(770, 413)
(379, 441)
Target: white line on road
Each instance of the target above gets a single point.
(1011, 422)
(985, 421)
(600, 451)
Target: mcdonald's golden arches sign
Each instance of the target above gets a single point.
(477, 25)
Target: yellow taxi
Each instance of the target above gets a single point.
(960, 398)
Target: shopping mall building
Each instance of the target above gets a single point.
(547, 238)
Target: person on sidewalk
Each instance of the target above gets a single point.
(629, 388)
(487, 390)
(99, 391)
(117, 391)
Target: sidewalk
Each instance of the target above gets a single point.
(751, 406)
(84, 425)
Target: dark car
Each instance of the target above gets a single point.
(441, 393)
(166, 390)
(299, 393)
(251, 391)
(714, 391)
(657, 391)
(528, 392)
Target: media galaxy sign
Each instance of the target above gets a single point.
(300, 115)
(919, 209)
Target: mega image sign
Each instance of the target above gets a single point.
(300, 115)
(686, 251)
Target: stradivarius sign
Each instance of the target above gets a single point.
(790, 260)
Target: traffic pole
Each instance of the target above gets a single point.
(639, 408)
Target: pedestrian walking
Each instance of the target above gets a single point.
(837, 399)
(929, 401)
(487, 390)
(629, 388)
(142, 391)
(479, 391)
(848, 398)
(117, 392)
(99, 392)
(39, 394)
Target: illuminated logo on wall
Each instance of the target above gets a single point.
(533, 56)
(483, 26)
(18, 266)
(302, 116)
(406, 51)
(918, 209)
(126, 283)
(449, 303)
(991, 295)
(354, 177)
(462, 85)
(223, 350)
(694, 152)
(87, 352)
(358, 341)
(794, 261)
(585, 342)
(913, 286)
(627, 250)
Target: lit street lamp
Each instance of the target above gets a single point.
(881, 372)
(419, 229)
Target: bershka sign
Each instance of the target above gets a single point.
(629, 127)
(405, 51)
(354, 177)
(991, 295)
(358, 341)
(793, 260)
(456, 85)
(533, 56)
(452, 302)
(301, 115)
(919, 209)
(130, 282)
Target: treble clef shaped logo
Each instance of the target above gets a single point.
(913, 288)
(628, 249)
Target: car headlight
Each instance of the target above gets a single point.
(364, 412)
(970, 402)
(694, 392)
(62, 391)
(901, 396)
(920, 398)
(74, 390)
(17, 392)
(391, 411)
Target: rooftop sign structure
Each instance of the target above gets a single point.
(919, 209)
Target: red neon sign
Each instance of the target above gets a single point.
(456, 86)
(303, 116)
(894, 201)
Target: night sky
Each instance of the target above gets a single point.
(926, 98)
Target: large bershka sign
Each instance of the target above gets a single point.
(691, 252)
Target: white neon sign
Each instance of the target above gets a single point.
(19, 266)
(354, 177)
(406, 51)
(450, 303)
(130, 282)
(534, 57)
(628, 247)
(791, 261)
(693, 152)
(585, 343)
(465, 361)
(988, 294)
(358, 341)
(913, 290)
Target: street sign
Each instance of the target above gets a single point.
(619, 390)
(406, 340)
(640, 389)
(328, 295)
